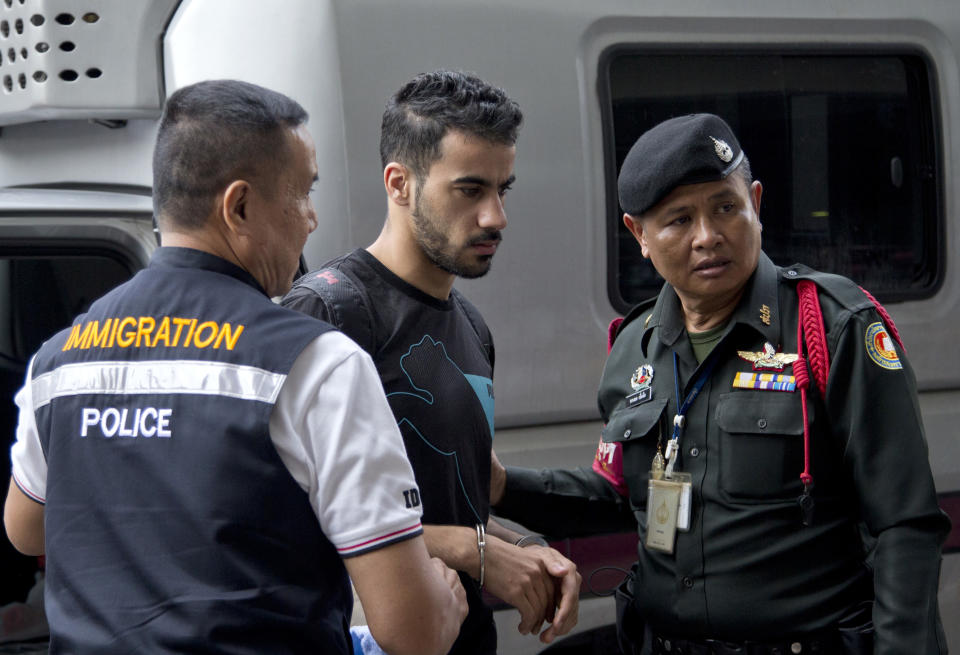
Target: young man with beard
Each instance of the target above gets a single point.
(447, 149)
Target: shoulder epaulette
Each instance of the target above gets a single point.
(842, 290)
(643, 309)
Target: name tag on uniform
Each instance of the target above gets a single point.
(640, 397)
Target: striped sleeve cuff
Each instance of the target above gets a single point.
(29, 494)
(375, 543)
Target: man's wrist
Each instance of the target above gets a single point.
(456, 546)
(481, 547)
(531, 540)
(498, 481)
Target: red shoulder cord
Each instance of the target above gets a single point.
(886, 318)
(810, 329)
(612, 332)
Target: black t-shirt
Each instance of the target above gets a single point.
(435, 360)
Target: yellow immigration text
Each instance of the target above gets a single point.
(151, 332)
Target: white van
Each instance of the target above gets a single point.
(849, 111)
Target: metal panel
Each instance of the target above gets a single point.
(290, 46)
(90, 59)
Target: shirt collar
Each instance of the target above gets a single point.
(176, 257)
(759, 308)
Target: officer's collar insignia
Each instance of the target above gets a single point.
(642, 377)
(724, 151)
(765, 314)
(880, 347)
(769, 359)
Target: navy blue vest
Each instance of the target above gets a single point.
(172, 525)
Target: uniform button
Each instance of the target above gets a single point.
(796, 648)
(762, 424)
(792, 273)
(627, 433)
(688, 582)
(694, 452)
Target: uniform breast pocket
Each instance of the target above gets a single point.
(761, 445)
(637, 430)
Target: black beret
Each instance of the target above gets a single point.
(683, 150)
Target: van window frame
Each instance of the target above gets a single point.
(23, 238)
(930, 106)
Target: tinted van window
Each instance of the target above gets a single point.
(845, 144)
(40, 293)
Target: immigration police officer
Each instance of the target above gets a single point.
(190, 456)
(762, 430)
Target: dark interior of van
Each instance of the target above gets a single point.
(40, 293)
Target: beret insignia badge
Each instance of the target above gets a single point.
(723, 150)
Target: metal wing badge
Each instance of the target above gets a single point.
(769, 359)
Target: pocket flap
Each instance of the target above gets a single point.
(762, 412)
(629, 423)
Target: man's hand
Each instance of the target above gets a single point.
(540, 582)
(498, 479)
(566, 594)
(414, 604)
(453, 581)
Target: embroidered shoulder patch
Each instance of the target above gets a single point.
(880, 347)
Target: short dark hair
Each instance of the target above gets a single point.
(421, 113)
(211, 133)
(743, 170)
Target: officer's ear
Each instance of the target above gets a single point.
(235, 207)
(756, 192)
(398, 182)
(635, 226)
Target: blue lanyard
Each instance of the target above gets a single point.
(680, 419)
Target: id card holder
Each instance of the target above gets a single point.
(663, 503)
(686, 498)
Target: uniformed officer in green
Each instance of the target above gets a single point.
(776, 468)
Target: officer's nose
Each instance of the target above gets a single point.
(705, 232)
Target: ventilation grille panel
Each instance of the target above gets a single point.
(78, 59)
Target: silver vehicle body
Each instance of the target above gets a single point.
(547, 298)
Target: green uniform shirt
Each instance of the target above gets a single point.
(748, 569)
